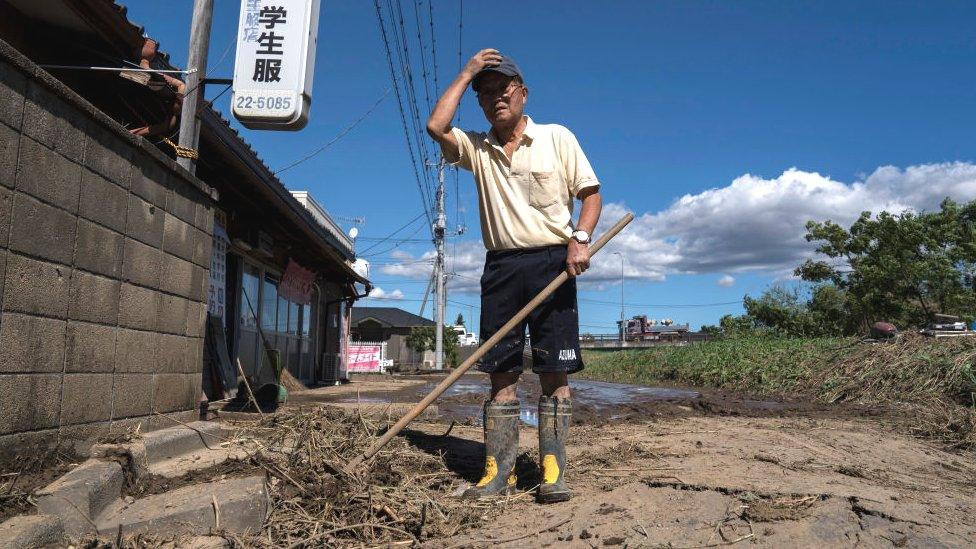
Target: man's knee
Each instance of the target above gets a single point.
(503, 386)
(555, 384)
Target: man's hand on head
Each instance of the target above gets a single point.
(577, 258)
(488, 57)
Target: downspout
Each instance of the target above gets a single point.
(343, 344)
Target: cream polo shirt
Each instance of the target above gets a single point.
(526, 201)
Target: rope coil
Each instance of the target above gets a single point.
(185, 152)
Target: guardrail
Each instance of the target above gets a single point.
(612, 341)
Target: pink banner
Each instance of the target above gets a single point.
(296, 284)
(364, 358)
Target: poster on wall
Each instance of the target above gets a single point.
(296, 284)
(364, 359)
(216, 294)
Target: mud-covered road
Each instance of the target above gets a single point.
(679, 468)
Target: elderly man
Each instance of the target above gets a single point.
(527, 176)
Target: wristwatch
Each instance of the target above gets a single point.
(582, 237)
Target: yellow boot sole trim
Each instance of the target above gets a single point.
(491, 471)
(550, 469)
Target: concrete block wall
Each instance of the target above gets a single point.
(104, 257)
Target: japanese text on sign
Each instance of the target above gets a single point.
(296, 284)
(275, 60)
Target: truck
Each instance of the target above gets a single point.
(641, 328)
(465, 338)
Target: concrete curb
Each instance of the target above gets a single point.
(29, 531)
(82, 494)
(89, 500)
(164, 445)
(242, 504)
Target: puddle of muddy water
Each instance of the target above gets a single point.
(597, 400)
(597, 396)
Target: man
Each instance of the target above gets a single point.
(527, 176)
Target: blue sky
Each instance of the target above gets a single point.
(722, 125)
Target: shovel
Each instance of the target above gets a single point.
(480, 352)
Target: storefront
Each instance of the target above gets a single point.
(287, 326)
(289, 275)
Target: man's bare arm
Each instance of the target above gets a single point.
(590, 211)
(439, 123)
(578, 255)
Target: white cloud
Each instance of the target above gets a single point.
(751, 224)
(464, 261)
(759, 224)
(380, 293)
(726, 281)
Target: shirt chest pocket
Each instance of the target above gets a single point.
(542, 188)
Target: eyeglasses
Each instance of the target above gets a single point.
(491, 93)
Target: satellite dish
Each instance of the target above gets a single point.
(353, 233)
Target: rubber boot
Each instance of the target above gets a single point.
(501, 422)
(554, 419)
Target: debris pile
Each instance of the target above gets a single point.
(401, 496)
(935, 382)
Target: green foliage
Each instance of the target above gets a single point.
(784, 312)
(711, 329)
(760, 364)
(737, 326)
(459, 321)
(899, 268)
(914, 369)
(421, 338)
(935, 378)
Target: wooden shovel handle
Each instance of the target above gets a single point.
(480, 352)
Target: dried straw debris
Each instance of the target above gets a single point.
(401, 496)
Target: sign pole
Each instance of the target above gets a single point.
(197, 65)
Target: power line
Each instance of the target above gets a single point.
(398, 282)
(427, 260)
(423, 53)
(433, 44)
(460, 42)
(397, 245)
(661, 305)
(391, 235)
(400, 35)
(230, 44)
(380, 239)
(338, 136)
(403, 116)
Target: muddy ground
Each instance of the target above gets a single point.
(686, 468)
(21, 474)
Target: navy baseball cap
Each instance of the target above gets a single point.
(506, 67)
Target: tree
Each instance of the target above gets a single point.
(421, 338)
(459, 321)
(711, 330)
(787, 312)
(737, 325)
(899, 268)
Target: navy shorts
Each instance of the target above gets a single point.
(511, 279)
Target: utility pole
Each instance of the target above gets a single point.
(623, 330)
(439, 227)
(197, 65)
